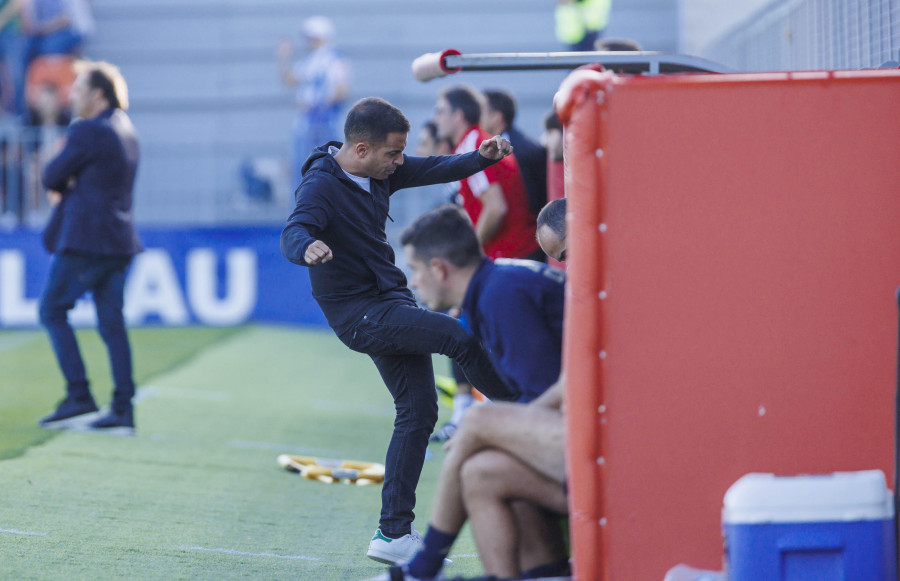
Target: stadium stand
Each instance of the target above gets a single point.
(206, 93)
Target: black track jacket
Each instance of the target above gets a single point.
(332, 208)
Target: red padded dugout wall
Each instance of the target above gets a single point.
(733, 256)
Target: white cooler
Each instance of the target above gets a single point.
(810, 528)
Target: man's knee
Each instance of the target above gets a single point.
(111, 323)
(485, 423)
(462, 343)
(50, 314)
(480, 417)
(427, 416)
(484, 473)
(417, 413)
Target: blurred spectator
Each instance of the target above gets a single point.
(12, 55)
(553, 141)
(56, 27)
(618, 45)
(322, 80)
(55, 31)
(25, 149)
(431, 144)
(57, 71)
(579, 23)
(44, 132)
(495, 198)
(47, 110)
(497, 118)
(496, 202)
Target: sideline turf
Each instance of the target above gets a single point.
(197, 493)
(31, 384)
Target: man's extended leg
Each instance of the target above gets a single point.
(398, 328)
(491, 480)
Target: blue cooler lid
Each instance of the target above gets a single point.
(837, 497)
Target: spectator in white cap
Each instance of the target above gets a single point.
(322, 79)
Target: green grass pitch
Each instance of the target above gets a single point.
(197, 493)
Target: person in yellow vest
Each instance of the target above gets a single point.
(579, 23)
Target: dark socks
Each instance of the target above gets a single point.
(428, 562)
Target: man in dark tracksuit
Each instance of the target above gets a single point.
(92, 237)
(338, 229)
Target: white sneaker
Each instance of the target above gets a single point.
(394, 551)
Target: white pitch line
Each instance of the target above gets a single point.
(28, 533)
(245, 554)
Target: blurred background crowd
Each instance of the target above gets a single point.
(223, 112)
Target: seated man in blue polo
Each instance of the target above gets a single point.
(514, 307)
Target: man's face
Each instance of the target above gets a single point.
(427, 145)
(428, 282)
(447, 119)
(554, 139)
(551, 244)
(383, 159)
(80, 97)
(491, 120)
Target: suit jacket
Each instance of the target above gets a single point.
(532, 158)
(95, 173)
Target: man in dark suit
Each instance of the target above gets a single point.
(497, 119)
(92, 237)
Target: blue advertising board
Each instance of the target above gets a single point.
(206, 276)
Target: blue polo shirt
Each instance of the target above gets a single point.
(515, 307)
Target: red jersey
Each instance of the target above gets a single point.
(515, 237)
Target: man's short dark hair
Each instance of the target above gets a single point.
(466, 99)
(108, 78)
(502, 101)
(551, 121)
(618, 45)
(445, 232)
(553, 215)
(431, 128)
(371, 119)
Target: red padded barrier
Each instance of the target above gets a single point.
(747, 323)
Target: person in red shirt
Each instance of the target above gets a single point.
(495, 198)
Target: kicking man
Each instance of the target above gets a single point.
(338, 230)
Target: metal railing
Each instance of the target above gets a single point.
(812, 35)
(23, 153)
